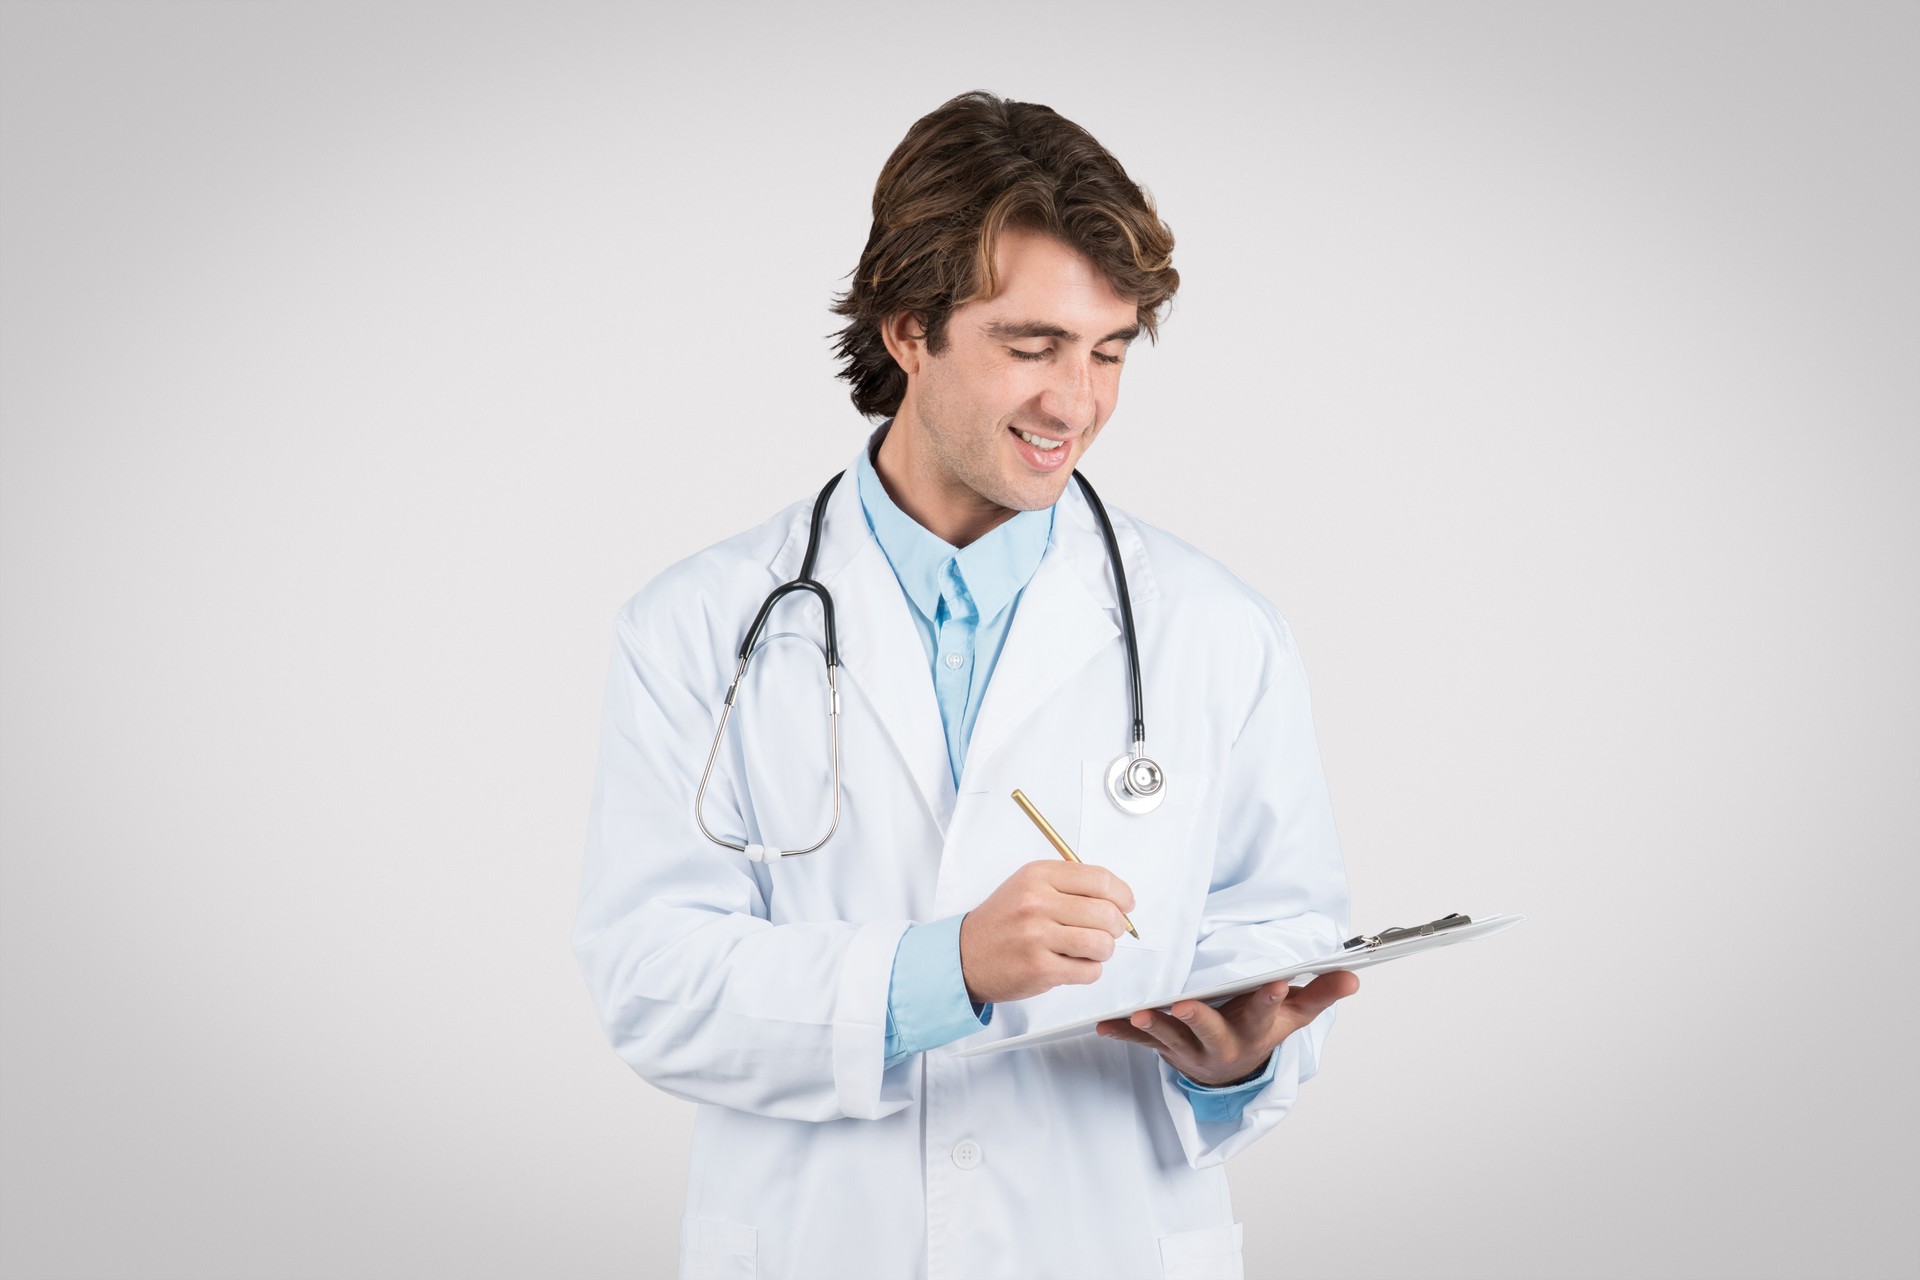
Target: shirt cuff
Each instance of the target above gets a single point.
(927, 1001)
(1227, 1101)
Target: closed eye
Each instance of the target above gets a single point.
(1101, 356)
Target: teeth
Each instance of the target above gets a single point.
(1039, 442)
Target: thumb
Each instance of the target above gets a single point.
(1309, 1002)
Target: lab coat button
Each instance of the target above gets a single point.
(967, 1155)
(953, 661)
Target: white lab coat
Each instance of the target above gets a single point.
(760, 992)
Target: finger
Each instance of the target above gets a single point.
(1085, 944)
(1090, 881)
(1263, 997)
(1252, 1012)
(1340, 984)
(1088, 913)
(1314, 999)
(1302, 1005)
(1216, 1037)
(1172, 1034)
(1122, 1030)
(1072, 971)
(1269, 1014)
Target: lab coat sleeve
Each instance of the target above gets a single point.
(1278, 890)
(698, 991)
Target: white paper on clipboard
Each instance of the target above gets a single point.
(1482, 927)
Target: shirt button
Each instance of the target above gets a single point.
(967, 1155)
(953, 661)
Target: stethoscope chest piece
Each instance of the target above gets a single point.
(1136, 784)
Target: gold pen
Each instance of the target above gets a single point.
(1053, 838)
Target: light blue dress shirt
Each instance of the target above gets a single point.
(962, 600)
(962, 597)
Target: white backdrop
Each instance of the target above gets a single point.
(1550, 366)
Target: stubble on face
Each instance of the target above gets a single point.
(1017, 360)
(972, 465)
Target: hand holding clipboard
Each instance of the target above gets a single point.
(1359, 952)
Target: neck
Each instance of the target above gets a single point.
(936, 500)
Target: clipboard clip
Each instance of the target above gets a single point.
(1368, 941)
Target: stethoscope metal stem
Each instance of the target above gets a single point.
(766, 853)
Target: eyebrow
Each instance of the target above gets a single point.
(1044, 329)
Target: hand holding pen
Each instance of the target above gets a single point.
(1060, 846)
(1049, 924)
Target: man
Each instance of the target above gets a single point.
(813, 1004)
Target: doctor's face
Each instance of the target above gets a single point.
(997, 420)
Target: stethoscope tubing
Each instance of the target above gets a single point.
(1126, 608)
(805, 582)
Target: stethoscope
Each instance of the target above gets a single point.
(1134, 782)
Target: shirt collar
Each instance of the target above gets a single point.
(993, 567)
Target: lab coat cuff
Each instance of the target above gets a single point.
(859, 1017)
(1206, 1141)
(927, 1003)
(1225, 1102)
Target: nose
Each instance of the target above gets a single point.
(1068, 398)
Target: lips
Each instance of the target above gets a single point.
(1040, 459)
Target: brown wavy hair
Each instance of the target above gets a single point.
(963, 173)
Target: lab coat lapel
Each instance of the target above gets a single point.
(1059, 623)
(880, 647)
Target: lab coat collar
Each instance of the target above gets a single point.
(1067, 613)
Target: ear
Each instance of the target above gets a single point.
(906, 341)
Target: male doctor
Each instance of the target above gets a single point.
(812, 1005)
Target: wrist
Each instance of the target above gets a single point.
(1248, 1078)
(960, 944)
(1259, 1071)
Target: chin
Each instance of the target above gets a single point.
(1040, 496)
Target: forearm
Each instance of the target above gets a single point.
(778, 1020)
(927, 1001)
(698, 989)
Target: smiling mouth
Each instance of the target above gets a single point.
(1041, 443)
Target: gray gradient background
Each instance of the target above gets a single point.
(1551, 367)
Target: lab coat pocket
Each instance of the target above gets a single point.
(1211, 1253)
(1150, 852)
(714, 1250)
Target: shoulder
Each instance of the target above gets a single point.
(707, 599)
(1204, 595)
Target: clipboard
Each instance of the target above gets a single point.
(1360, 952)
